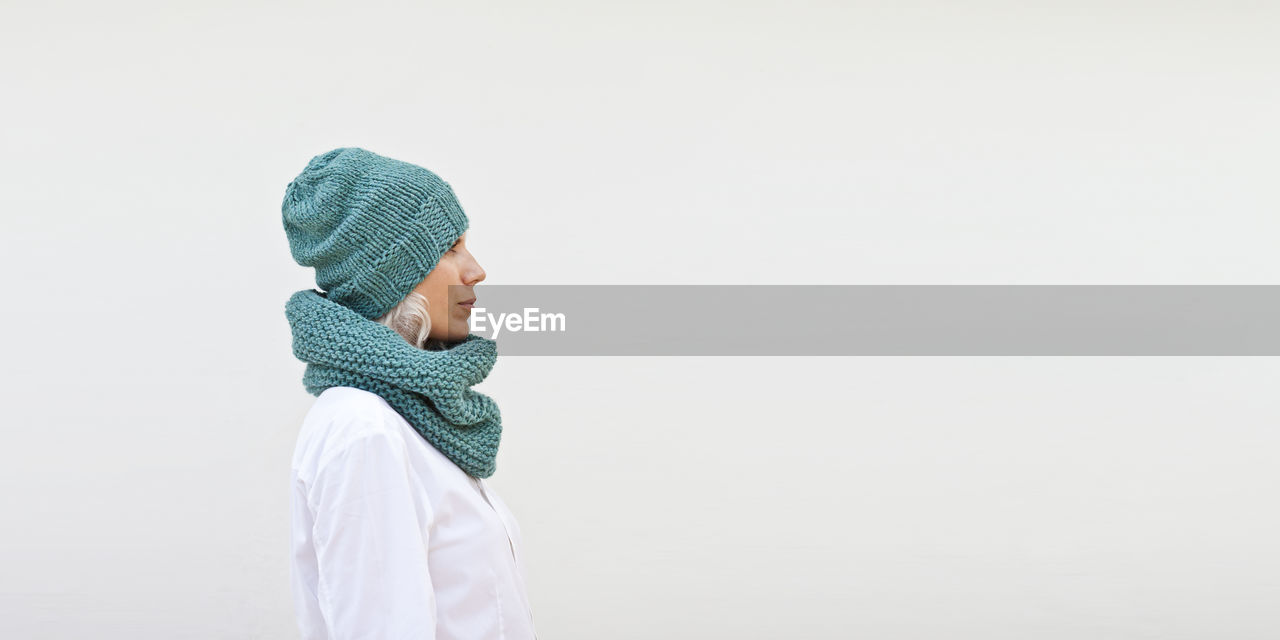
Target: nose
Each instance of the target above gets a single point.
(476, 273)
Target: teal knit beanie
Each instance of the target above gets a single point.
(373, 227)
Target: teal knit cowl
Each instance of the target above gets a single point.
(430, 389)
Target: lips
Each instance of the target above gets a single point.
(468, 303)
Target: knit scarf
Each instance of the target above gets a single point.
(430, 389)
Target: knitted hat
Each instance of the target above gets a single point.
(372, 227)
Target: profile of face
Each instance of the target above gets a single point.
(449, 290)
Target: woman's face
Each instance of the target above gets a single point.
(448, 315)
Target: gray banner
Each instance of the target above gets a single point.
(843, 320)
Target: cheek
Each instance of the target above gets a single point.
(436, 286)
(439, 300)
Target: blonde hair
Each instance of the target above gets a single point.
(411, 320)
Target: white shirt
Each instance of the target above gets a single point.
(391, 539)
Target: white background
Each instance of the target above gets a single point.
(151, 400)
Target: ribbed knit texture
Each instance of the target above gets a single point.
(430, 389)
(372, 226)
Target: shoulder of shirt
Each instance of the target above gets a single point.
(340, 417)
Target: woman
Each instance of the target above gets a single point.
(395, 533)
